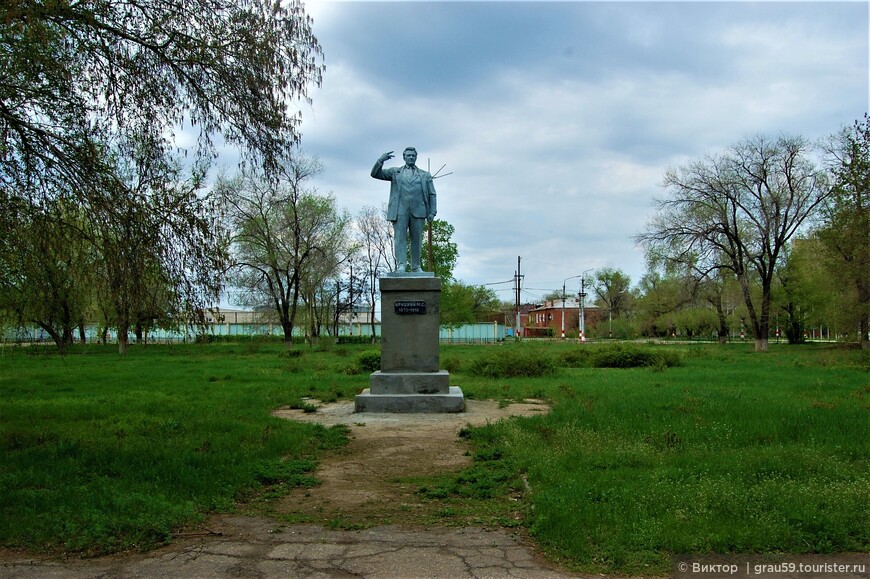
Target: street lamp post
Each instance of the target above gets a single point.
(563, 301)
(583, 304)
(582, 325)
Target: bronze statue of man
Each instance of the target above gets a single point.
(412, 202)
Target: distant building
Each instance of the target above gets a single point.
(359, 314)
(546, 320)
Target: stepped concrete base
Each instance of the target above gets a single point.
(453, 401)
(410, 379)
(410, 382)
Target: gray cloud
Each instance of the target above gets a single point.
(558, 120)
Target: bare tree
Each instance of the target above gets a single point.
(284, 235)
(375, 237)
(737, 211)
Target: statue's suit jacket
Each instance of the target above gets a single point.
(421, 207)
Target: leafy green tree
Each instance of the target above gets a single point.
(80, 75)
(46, 271)
(660, 296)
(466, 304)
(719, 290)
(737, 211)
(163, 254)
(845, 229)
(793, 294)
(554, 296)
(285, 237)
(612, 288)
(444, 252)
(90, 95)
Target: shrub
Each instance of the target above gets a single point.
(369, 361)
(452, 364)
(509, 363)
(576, 357)
(355, 340)
(628, 356)
(352, 370)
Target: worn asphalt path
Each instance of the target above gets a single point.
(252, 547)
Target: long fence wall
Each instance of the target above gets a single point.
(468, 333)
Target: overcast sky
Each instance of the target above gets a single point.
(559, 119)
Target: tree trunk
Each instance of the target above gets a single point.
(57, 337)
(288, 333)
(123, 339)
(723, 321)
(864, 329)
(762, 344)
(68, 335)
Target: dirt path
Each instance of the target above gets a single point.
(368, 481)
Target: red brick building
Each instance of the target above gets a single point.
(546, 320)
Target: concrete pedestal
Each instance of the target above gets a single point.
(410, 379)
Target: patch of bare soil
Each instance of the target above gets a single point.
(370, 481)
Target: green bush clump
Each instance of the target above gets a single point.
(576, 357)
(510, 363)
(354, 340)
(628, 356)
(205, 338)
(452, 364)
(369, 361)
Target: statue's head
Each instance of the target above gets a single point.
(410, 156)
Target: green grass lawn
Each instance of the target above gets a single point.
(732, 452)
(101, 453)
(728, 452)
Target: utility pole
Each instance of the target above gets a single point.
(582, 308)
(582, 335)
(517, 282)
(350, 299)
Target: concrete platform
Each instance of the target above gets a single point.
(410, 382)
(453, 401)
